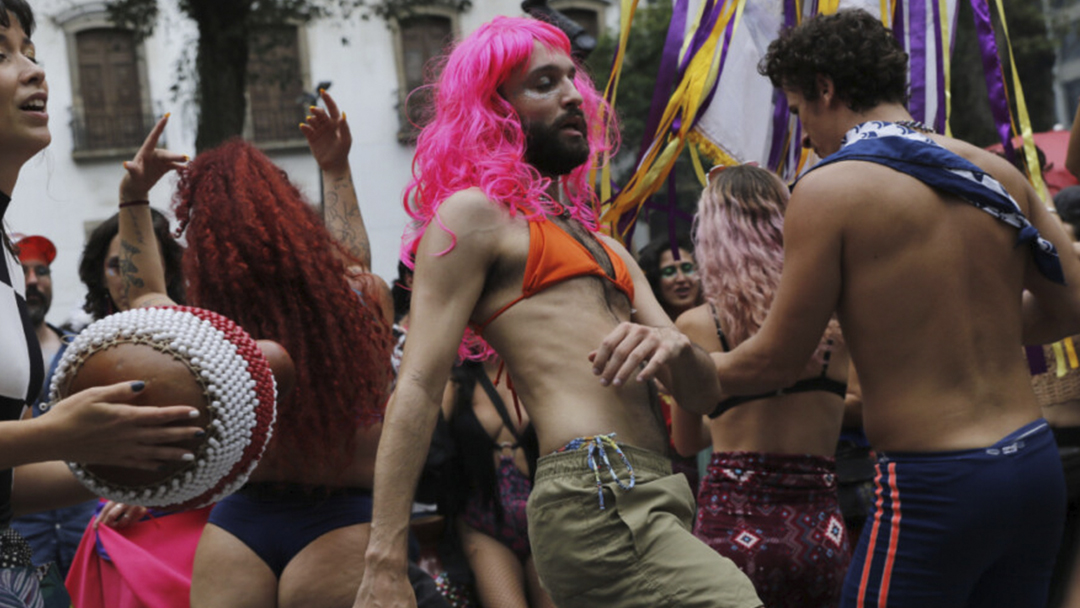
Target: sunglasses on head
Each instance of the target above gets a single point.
(687, 268)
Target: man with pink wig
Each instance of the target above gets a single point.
(505, 248)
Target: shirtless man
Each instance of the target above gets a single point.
(574, 320)
(936, 288)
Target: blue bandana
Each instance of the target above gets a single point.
(911, 153)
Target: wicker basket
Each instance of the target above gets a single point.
(1051, 389)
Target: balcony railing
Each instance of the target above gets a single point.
(107, 132)
(269, 125)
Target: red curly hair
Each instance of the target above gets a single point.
(258, 254)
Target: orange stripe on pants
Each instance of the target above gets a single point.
(894, 537)
(873, 538)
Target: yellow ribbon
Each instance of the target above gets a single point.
(1030, 155)
(946, 63)
(1059, 360)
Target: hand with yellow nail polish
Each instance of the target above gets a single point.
(328, 136)
(148, 166)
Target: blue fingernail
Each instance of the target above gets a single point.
(199, 434)
(137, 386)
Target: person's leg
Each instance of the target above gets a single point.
(538, 596)
(228, 574)
(636, 549)
(327, 572)
(500, 579)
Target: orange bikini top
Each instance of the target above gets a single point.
(555, 256)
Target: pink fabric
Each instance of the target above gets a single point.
(149, 563)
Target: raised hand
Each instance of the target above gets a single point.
(149, 165)
(328, 136)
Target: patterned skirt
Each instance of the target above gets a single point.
(777, 517)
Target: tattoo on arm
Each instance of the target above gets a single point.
(344, 220)
(129, 271)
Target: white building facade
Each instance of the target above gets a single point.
(106, 89)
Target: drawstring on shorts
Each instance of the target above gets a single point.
(595, 444)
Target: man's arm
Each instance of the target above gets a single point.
(806, 297)
(650, 346)
(330, 140)
(445, 291)
(1051, 311)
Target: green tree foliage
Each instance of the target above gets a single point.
(641, 65)
(225, 32)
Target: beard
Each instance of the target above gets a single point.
(37, 305)
(552, 156)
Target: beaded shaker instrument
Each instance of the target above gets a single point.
(187, 356)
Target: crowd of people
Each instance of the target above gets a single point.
(549, 390)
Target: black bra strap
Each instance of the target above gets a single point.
(497, 401)
(719, 332)
(825, 356)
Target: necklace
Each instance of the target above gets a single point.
(915, 125)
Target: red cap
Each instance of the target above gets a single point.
(34, 247)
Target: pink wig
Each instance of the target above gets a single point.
(739, 246)
(474, 138)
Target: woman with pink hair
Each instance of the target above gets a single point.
(768, 500)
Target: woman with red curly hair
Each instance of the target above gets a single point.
(295, 534)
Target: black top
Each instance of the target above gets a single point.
(475, 445)
(817, 383)
(22, 371)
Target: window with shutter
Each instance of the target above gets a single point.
(110, 90)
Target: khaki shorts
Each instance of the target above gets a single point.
(638, 550)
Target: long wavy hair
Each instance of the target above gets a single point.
(258, 254)
(739, 237)
(98, 302)
(474, 138)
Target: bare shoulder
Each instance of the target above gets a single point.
(828, 196)
(617, 247)
(471, 208)
(696, 321)
(999, 168)
(466, 223)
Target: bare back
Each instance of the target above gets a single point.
(931, 308)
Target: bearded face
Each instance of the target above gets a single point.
(557, 148)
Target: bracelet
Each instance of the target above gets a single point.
(133, 203)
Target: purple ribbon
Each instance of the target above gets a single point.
(780, 122)
(917, 15)
(665, 78)
(995, 80)
(1036, 360)
(939, 116)
(729, 31)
